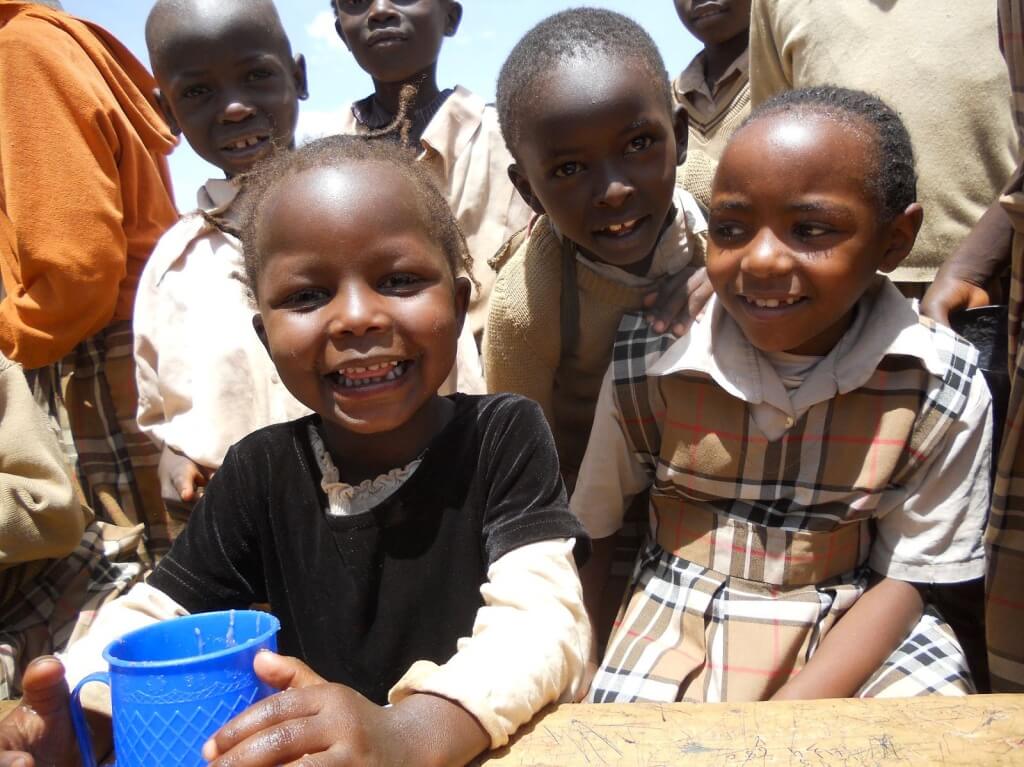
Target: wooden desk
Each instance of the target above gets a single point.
(6, 707)
(979, 730)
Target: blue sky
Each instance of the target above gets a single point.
(472, 58)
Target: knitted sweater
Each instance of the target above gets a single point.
(523, 341)
(711, 125)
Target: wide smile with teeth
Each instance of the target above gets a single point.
(245, 143)
(772, 303)
(620, 230)
(359, 377)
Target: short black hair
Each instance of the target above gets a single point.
(339, 151)
(894, 180)
(573, 34)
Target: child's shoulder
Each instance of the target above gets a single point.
(529, 280)
(495, 411)
(274, 446)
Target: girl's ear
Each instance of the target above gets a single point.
(463, 287)
(452, 19)
(522, 185)
(681, 124)
(301, 81)
(261, 331)
(165, 110)
(902, 234)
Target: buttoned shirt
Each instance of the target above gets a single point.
(204, 378)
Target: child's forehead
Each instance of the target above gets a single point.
(594, 86)
(188, 41)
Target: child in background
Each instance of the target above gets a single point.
(597, 158)
(817, 454)
(398, 44)
(228, 81)
(418, 549)
(714, 89)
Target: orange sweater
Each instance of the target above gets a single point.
(83, 178)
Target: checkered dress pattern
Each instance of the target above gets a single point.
(92, 400)
(758, 547)
(44, 606)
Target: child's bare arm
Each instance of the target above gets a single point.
(335, 725)
(859, 642)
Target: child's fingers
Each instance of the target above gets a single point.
(44, 688)
(284, 672)
(247, 733)
(15, 759)
(280, 744)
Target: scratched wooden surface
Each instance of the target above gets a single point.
(980, 730)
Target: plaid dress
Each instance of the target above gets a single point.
(1004, 587)
(91, 399)
(757, 548)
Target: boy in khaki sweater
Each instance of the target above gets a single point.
(714, 89)
(596, 157)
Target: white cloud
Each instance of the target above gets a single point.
(321, 28)
(314, 124)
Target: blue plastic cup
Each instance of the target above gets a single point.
(175, 683)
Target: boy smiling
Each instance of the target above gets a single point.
(227, 81)
(596, 156)
(398, 44)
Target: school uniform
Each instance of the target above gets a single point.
(714, 113)
(1004, 610)
(773, 498)
(205, 380)
(554, 313)
(462, 143)
(938, 67)
(58, 565)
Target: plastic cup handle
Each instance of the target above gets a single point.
(82, 733)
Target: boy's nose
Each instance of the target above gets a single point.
(236, 111)
(382, 11)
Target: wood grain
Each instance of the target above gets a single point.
(982, 729)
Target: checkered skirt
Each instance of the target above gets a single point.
(757, 548)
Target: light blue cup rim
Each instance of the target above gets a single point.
(273, 627)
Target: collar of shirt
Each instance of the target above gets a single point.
(216, 195)
(885, 324)
(691, 81)
(213, 198)
(672, 254)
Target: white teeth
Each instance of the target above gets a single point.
(772, 303)
(393, 371)
(625, 226)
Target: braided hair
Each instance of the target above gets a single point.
(893, 181)
(578, 33)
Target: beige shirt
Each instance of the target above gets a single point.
(205, 381)
(937, 63)
(463, 146)
(928, 532)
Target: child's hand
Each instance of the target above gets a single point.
(181, 479)
(331, 723)
(39, 731)
(334, 725)
(679, 300)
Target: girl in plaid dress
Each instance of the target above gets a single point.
(816, 454)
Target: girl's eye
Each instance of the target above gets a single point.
(399, 281)
(639, 144)
(259, 74)
(304, 298)
(568, 169)
(807, 231)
